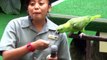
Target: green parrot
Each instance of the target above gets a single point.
(76, 24)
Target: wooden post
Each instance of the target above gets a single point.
(88, 42)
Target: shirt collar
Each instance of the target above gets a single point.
(26, 22)
(51, 25)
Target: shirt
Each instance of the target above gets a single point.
(21, 31)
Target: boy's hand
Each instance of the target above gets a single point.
(52, 58)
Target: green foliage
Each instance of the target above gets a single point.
(82, 7)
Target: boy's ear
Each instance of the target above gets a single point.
(49, 8)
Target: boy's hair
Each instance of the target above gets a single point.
(27, 3)
(50, 2)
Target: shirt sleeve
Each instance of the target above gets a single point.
(8, 39)
(64, 53)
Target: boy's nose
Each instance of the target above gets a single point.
(36, 6)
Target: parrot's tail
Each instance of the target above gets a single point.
(95, 17)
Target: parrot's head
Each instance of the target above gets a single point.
(64, 27)
(60, 28)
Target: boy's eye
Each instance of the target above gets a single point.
(32, 4)
(41, 3)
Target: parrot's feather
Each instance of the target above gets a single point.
(95, 17)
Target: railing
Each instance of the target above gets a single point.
(88, 42)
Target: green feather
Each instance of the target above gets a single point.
(76, 24)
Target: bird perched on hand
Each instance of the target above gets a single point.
(76, 24)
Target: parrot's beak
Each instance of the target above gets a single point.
(59, 28)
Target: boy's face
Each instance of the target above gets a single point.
(38, 9)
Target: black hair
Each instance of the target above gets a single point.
(50, 2)
(27, 3)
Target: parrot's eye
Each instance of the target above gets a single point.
(73, 25)
(60, 29)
